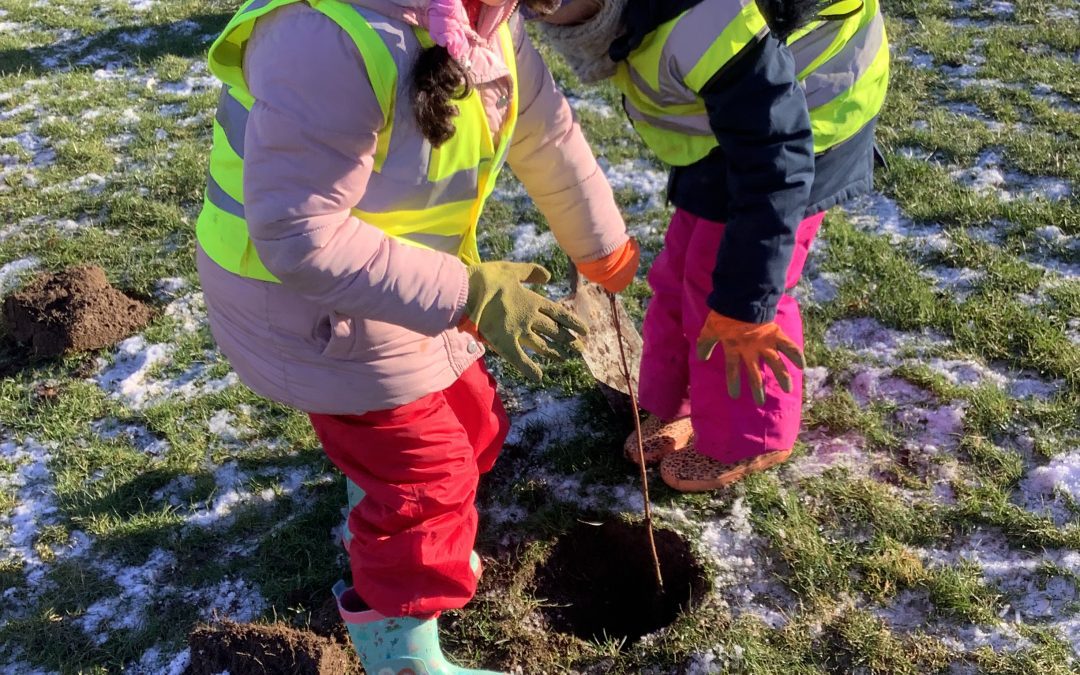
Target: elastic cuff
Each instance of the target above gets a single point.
(604, 252)
(754, 312)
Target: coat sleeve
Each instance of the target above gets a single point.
(551, 157)
(309, 147)
(758, 112)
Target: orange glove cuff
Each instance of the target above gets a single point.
(720, 327)
(616, 270)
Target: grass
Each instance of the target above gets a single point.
(895, 541)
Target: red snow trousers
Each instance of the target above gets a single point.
(418, 464)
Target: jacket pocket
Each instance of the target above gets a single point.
(336, 334)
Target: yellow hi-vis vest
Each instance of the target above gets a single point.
(423, 196)
(842, 61)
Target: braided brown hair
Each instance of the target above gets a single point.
(439, 80)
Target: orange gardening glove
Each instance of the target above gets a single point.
(749, 344)
(616, 270)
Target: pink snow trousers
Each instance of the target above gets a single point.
(675, 383)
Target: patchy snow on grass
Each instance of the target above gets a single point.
(10, 273)
(917, 58)
(878, 214)
(877, 343)
(27, 477)
(1037, 588)
(957, 282)
(541, 418)
(1072, 331)
(188, 311)
(139, 38)
(16, 667)
(879, 384)
(964, 70)
(988, 176)
(932, 429)
(233, 490)
(529, 244)
(154, 662)
(744, 581)
(175, 492)
(966, 373)
(222, 425)
(129, 118)
(171, 287)
(230, 492)
(1061, 14)
(31, 106)
(714, 661)
(129, 378)
(138, 585)
(1031, 387)
(132, 376)
(190, 85)
(1051, 235)
(91, 183)
(501, 514)
(1053, 490)
(814, 382)
(826, 451)
(624, 498)
(234, 599)
(137, 435)
(640, 177)
(41, 155)
(909, 610)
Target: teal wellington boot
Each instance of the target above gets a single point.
(394, 645)
(356, 493)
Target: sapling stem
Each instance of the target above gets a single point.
(640, 443)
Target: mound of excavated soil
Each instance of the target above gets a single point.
(600, 582)
(254, 649)
(74, 310)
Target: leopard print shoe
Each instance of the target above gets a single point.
(660, 438)
(692, 471)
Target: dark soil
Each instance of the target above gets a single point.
(326, 621)
(254, 649)
(74, 310)
(602, 583)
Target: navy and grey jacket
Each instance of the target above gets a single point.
(763, 179)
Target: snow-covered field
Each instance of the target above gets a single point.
(929, 522)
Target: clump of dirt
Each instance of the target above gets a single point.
(255, 649)
(74, 310)
(601, 582)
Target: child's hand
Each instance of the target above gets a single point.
(510, 317)
(749, 344)
(615, 271)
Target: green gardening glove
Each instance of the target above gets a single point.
(511, 318)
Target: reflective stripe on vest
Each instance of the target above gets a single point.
(842, 62)
(844, 69)
(439, 213)
(666, 109)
